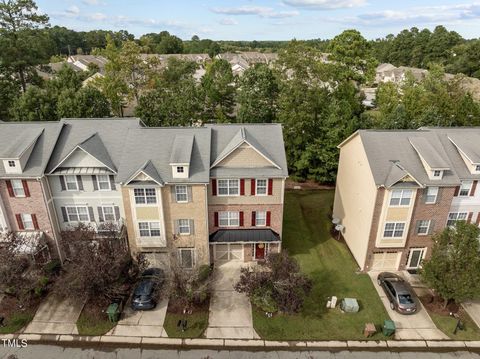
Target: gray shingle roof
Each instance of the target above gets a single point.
(266, 138)
(424, 148)
(28, 137)
(23, 133)
(104, 139)
(182, 149)
(468, 143)
(155, 145)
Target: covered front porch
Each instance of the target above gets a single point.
(243, 245)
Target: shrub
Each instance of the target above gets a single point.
(263, 299)
(204, 272)
(53, 267)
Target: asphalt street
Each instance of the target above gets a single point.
(55, 352)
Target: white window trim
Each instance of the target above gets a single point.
(188, 225)
(462, 188)
(436, 195)
(477, 168)
(439, 173)
(78, 215)
(177, 193)
(428, 228)
(228, 187)
(256, 219)
(22, 216)
(456, 219)
(424, 252)
(193, 253)
(12, 164)
(145, 197)
(182, 169)
(113, 213)
(256, 187)
(149, 229)
(400, 198)
(108, 181)
(229, 219)
(20, 188)
(393, 231)
(66, 183)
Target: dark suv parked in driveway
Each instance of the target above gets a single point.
(146, 291)
(398, 292)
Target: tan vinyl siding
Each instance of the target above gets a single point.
(147, 213)
(244, 157)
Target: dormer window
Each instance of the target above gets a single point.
(437, 173)
(180, 169)
(11, 164)
(477, 168)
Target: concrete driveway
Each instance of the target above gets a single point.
(230, 312)
(147, 323)
(56, 316)
(414, 326)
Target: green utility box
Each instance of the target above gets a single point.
(388, 328)
(113, 312)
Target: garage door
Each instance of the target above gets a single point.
(385, 261)
(228, 252)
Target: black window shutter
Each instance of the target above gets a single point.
(62, 183)
(112, 183)
(432, 226)
(100, 214)
(95, 184)
(117, 213)
(80, 183)
(90, 213)
(64, 214)
(189, 192)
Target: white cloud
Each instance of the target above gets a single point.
(325, 4)
(98, 16)
(261, 11)
(228, 21)
(91, 2)
(74, 10)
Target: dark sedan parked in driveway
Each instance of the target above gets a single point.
(146, 291)
(398, 293)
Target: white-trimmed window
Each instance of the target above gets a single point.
(181, 194)
(423, 227)
(11, 163)
(78, 214)
(27, 221)
(432, 194)
(465, 188)
(261, 187)
(186, 257)
(180, 169)
(145, 195)
(184, 226)
(108, 213)
(149, 229)
(71, 183)
(437, 173)
(103, 182)
(260, 218)
(228, 187)
(401, 197)
(393, 230)
(477, 168)
(18, 189)
(228, 219)
(456, 216)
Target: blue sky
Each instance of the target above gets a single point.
(264, 20)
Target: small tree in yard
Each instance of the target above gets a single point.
(278, 286)
(453, 271)
(96, 265)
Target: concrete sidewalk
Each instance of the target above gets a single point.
(473, 310)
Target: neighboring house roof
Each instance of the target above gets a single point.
(103, 140)
(182, 149)
(155, 145)
(24, 134)
(434, 159)
(266, 139)
(391, 156)
(244, 235)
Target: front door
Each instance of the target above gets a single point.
(260, 251)
(415, 257)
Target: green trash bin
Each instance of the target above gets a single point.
(113, 312)
(388, 328)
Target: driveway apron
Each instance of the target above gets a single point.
(230, 312)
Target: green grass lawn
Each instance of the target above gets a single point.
(197, 323)
(93, 321)
(447, 325)
(17, 322)
(332, 268)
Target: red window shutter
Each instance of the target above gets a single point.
(469, 218)
(269, 218)
(457, 190)
(270, 186)
(474, 187)
(214, 187)
(477, 222)
(215, 219)
(242, 187)
(252, 187)
(10, 188)
(241, 219)
(19, 222)
(35, 221)
(254, 219)
(25, 188)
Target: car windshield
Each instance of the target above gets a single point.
(405, 299)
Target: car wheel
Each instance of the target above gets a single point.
(379, 282)
(392, 306)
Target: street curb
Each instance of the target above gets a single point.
(351, 345)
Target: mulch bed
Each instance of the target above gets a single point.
(309, 184)
(176, 307)
(96, 307)
(10, 307)
(436, 305)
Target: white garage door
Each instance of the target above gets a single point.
(228, 252)
(385, 261)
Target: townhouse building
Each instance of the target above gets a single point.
(245, 197)
(26, 205)
(395, 189)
